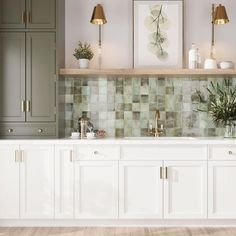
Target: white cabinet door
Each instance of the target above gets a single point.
(64, 182)
(140, 190)
(96, 189)
(37, 181)
(9, 182)
(185, 189)
(221, 189)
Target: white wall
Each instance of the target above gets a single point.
(117, 33)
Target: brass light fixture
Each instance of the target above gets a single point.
(98, 18)
(219, 17)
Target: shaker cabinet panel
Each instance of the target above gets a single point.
(96, 189)
(140, 190)
(41, 13)
(221, 190)
(37, 182)
(9, 182)
(40, 77)
(185, 190)
(12, 13)
(12, 76)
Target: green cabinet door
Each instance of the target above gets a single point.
(40, 77)
(12, 77)
(41, 14)
(12, 13)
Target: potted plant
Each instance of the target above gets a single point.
(84, 54)
(221, 105)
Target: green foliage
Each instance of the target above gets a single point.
(83, 51)
(221, 102)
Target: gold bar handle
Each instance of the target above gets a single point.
(166, 172)
(23, 17)
(21, 156)
(161, 172)
(22, 106)
(27, 106)
(16, 156)
(71, 156)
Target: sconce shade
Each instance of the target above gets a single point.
(98, 16)
(220, 16)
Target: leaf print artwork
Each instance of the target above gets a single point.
(157, 23)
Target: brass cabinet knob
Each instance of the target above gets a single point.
(230, 153)
(40, 131)
(10, 131)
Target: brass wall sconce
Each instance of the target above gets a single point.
(98, 18)
(219, 17)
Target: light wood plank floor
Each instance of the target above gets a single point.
(84, 231)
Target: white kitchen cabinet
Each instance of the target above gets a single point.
(9, 182)
(37, 181)
(96, 189)
(221, 189)
(140, 190)
(64, 181)
(185, 190)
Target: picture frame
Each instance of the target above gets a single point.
(158, 34)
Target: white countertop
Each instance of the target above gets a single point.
(128, 140)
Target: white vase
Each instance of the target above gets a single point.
(210, 63)
(83, 63)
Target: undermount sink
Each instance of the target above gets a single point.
(160, 138)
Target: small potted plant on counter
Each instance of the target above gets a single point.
(84, 54)
(221, 105)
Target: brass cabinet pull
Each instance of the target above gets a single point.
(22, 106)
(10, 131)
(23, 17)
(71, 156)
(166, 172)
(40, 131)
(161, 172)
(27, 106)
(16, 156)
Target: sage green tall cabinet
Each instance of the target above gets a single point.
(28, 68)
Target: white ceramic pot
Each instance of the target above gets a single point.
(210, 64)
(83, 63)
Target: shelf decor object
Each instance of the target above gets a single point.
(157, 34)
(83, 53)
(98, 18)
(219, 17)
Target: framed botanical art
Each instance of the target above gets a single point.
(157, 34)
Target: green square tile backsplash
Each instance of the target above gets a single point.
(126, 106)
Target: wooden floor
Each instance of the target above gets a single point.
(83, 231)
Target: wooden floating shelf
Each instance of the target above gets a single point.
(139, 72)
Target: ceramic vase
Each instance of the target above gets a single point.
(83, 63)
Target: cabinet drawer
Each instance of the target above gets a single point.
(104, 152)
(12, 130)
(222, 152)
(167, 152)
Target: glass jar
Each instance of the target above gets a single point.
(230, 130)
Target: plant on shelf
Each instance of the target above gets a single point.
(84, 54)
(221, 105)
